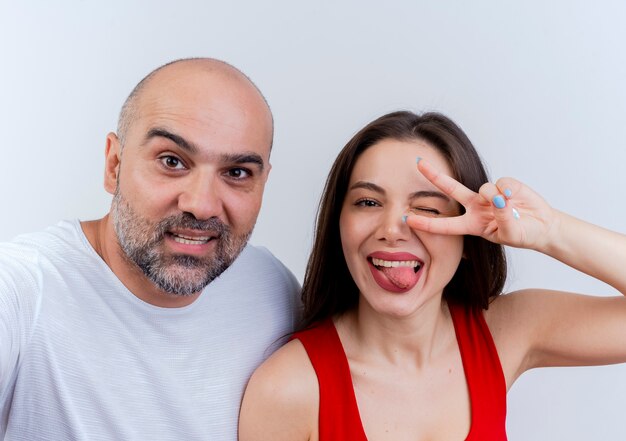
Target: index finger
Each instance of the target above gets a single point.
(445, 183)
(451, 226)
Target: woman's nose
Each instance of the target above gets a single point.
(392, 227)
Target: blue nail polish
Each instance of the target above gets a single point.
(404, 219)
(418, 160)
(499, 201)
(508, 192)
(515, 213)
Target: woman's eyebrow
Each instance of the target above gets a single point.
(415, 195)
(367, 186)
(429, 194)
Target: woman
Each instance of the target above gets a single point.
(405, 333)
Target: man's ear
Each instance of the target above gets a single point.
(112, 160)
(267, 172)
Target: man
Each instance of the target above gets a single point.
(146, 324)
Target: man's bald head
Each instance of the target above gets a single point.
(131, 109)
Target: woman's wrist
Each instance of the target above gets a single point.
(554, 241)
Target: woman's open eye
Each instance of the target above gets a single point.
(367, 203)
(172, 162)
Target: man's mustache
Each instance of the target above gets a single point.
(188, 221)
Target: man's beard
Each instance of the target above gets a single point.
(180, 275)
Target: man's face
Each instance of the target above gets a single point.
(190, 179)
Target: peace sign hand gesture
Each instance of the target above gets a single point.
(508, 213)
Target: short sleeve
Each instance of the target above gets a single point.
(19, 299)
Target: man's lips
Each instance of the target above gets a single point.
(191, 238)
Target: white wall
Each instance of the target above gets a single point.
(538, 86)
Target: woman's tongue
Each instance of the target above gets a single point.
(402, 276)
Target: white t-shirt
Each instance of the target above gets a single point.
(82, 358)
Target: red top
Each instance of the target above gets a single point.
(339, 417)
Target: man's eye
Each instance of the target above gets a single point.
(238, 173)
(172, 162)
(366, 203)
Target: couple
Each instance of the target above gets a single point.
(147, 324)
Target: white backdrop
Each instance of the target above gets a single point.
(538, 86)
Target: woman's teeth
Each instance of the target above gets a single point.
(395, 263)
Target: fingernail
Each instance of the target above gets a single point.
(404, 219)
(508, 192)
(499, 201)
(418, 160)
(515, 213)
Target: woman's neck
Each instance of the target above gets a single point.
(410, 341)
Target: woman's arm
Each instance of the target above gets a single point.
(281, 400)
(588, 248)
(540, 327)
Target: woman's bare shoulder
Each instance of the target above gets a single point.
(508, 321)
(287, 372)
(281, 401)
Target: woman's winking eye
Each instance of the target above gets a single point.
(425, 211)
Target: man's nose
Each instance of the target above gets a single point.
(201, 197)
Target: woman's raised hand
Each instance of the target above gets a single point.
(507, 213)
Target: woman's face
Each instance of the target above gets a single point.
(396, 269)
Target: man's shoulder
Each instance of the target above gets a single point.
(63, 233)
(24, 263)
(27, 253)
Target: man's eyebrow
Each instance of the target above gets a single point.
(235, 158)
(176, 139)
(243, 158)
